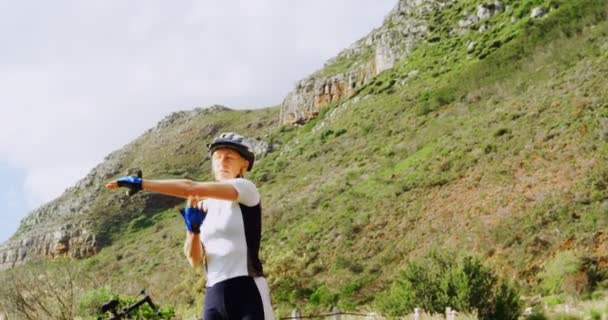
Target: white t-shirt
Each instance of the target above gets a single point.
(231, 234)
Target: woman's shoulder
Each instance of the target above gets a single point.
(248, 192)
(241, 181)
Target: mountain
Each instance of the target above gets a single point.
(474, 127)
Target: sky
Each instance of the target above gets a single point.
(80, 79)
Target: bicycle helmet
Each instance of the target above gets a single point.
(236, 142)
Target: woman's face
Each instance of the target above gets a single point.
(228, 164)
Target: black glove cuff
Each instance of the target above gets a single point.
(196, 228)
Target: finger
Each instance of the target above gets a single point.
(191, 201)
(112, 185)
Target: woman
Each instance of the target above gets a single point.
(227, 223)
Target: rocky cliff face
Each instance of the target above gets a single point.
(62, 227)
(359, 64)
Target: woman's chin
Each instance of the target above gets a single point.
(224, 176)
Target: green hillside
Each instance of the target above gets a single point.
(499, 151)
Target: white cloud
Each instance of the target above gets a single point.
(81, 79)
(45, 183)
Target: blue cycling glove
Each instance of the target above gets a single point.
(133, 183)
(194, 218)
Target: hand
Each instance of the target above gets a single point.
(133, 183)
(193, 216)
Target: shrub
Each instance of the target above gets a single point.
(564, 265)
(554, 300)
(288, 290)
(595, 314)
(41, 290)
(433, 100)
(340, 132)
(323, 296)
(439, 281)
(92, 301)
(326, 134)
(537, 315)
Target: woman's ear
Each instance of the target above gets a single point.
(244, 168)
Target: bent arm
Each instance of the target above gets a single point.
(185, 188)
(193, 250)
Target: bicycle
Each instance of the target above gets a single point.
(125, 313)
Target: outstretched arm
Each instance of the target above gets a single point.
(183, 188)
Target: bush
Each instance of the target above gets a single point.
(563, 266)
(439, 281)
(433, 100)
(595, 314)
(288, 290)
(91, 301)
(41, 290)
(537, 315)
(323, 296)
(554, 300)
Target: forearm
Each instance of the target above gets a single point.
(178, 188)
(186, 188)
(193, 249)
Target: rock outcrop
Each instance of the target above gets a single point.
(50, 241)
(359, 64)
(483, 12)
(62, 227)
(312, 94)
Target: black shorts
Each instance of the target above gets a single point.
(233, 299)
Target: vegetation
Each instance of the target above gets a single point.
(500, 150)
(91, 303)
(439, 281)
(41, 290)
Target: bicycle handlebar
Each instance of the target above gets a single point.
(113, 304)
